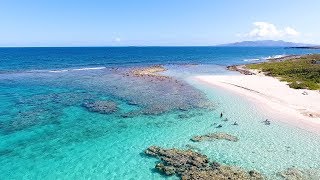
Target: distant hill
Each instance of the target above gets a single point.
(266, 43)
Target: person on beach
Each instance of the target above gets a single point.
(266, 122)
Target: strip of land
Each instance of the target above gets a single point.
(298, 107)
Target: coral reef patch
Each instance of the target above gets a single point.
(103, 107)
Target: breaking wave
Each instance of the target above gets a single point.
(78, 69)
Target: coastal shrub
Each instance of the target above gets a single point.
(296, 85)
(300, 73)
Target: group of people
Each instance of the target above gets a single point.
(226, 119)
(266, 122)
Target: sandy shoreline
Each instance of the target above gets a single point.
(273, 97)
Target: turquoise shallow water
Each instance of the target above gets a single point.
(47, 133)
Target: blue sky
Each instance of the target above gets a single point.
(150, 22)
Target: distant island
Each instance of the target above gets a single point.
(307, 47)
(268, 43)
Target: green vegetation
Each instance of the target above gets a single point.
(300, 73)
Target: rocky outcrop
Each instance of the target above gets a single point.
(103, 107)
(241, 69)
(152, 71)
(188, 165)
(214, 136)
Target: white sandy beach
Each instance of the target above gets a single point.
(273, 97)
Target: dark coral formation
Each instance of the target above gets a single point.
(214, 136)
(144, 87)
(63, 98)
(156, 93)
(150, 94)
(103, 107)
(26, 119)
(39, 109)
(188, 165)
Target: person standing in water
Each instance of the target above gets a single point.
(221, 115)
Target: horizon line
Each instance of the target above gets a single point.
(221, 45)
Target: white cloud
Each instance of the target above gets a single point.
(117, 39)
(265, 30)
(292, 32)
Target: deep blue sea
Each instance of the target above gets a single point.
(21, 59)
(77, 113)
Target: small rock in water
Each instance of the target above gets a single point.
(293, 173)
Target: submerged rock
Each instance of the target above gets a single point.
(292, 173)
(297, 174)
(181, 160)
(221, 173)
(167, 170)
(214, 136)
(188, 164)
(103, 107)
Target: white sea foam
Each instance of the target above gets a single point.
(85, 69)
(58, 71)
(275, 56)
(250, 60)
(78, 69)
(265, 58)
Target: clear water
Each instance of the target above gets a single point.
(46, 133)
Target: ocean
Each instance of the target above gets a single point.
(53, 124)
